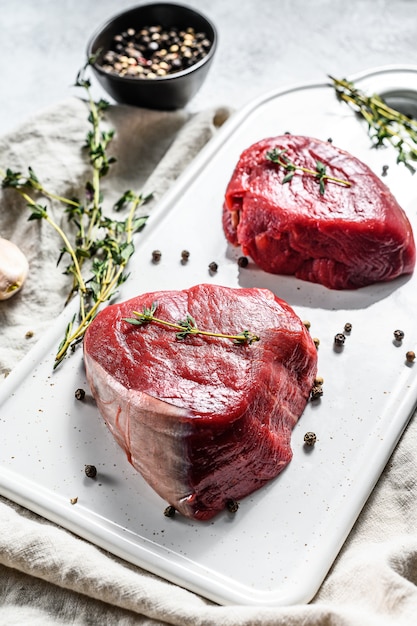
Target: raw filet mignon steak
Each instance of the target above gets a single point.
(343, 234)
(205, 420)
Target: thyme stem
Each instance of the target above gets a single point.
(188, 326)
(279, 157)
(385, 124)
(105, 243)
(61, 233)
(97, 164)
(33, 183)
(111, 281)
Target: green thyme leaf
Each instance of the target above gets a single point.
(38, 212)
(287, 178)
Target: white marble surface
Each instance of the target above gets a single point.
(263, 45)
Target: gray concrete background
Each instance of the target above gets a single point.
(263, 45)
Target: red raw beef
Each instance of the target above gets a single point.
(348, 237)
(204, 420)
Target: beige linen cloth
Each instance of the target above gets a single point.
(48, 575)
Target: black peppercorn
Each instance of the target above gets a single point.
(243, 261)
(90, 471)
(232, 506)
(310, 439)
(185, 255)
(348, 327)
(384, 170)
(169, 511)
(339, 339)
(399, 335)
(316, 392)
(213, 267)
(156, 256)
(80, 394)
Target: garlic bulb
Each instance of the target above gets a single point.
(13, 269)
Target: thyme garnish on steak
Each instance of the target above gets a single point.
(385, 124)
(279, 157)
(187, 326)
(98, 248)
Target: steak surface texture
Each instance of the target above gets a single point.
(203, 419)
(348, 237)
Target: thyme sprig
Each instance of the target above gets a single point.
(187, 326)
(385, 124)
(98, 247)
(279, 157)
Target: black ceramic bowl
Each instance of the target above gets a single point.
(168, 92)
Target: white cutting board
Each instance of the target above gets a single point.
(278, 547)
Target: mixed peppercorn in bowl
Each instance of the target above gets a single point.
(154, 55)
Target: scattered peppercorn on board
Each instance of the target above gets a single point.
(58, 459)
